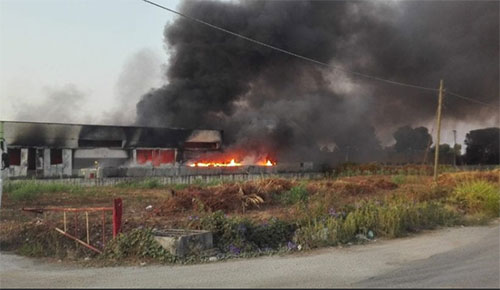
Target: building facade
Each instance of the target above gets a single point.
(47, 150)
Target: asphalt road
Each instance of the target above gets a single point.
(452, 257)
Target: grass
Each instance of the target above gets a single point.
(477, 196)
(30, 190)
(393, 218)
(398, 179)
(313, 213)
(295, 195)
(148, 183)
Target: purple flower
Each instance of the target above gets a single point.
(234, 250)
(191, 217)
(332, 212)
(291, 245)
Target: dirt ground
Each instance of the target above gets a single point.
(173, 206)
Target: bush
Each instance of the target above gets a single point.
(398, 179)
(237, 235)
(478, 196)
(295, 195)
(273, 234)
(138, 243)
(41, 240)
(392, 218)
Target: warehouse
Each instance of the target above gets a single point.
(45, 150)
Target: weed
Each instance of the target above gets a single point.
(32, 249)
(478, 196)
(393, 218)
(138, 243)
(398, 179)
(295, 195)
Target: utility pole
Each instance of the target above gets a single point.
(436, 151)
(454, 148)
(2, 145)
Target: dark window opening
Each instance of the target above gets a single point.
(200, 145)
(55, 156)
(14, 156)
(31, 159)
(99, 143)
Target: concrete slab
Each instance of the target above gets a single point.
(182, 242)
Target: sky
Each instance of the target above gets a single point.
(98, 56)
(48, 46)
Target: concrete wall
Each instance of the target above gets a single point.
(49, 170)
(22, 168)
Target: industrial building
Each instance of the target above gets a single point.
(47, 150)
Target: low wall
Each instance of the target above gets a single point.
(189, 179)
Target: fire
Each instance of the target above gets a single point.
(231, 163)
(266, 163)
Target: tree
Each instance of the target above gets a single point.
(483, 146)
(443, 149)
(409, 139)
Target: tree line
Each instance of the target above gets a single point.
(482, 145)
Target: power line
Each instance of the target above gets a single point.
(471, 100)
(307, 58)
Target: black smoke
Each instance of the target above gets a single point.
(267, 100)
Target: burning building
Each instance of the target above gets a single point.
(55, 150)
(48, 150)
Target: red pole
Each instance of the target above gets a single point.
(117, 216)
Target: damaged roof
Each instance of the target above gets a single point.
(57, 135)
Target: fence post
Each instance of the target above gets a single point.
(117, 216)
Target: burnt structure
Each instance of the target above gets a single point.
(47, 150)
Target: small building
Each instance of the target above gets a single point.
(62, 150)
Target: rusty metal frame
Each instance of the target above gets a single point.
(116, 211)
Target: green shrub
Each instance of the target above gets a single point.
(295, 195)
(318, 233)
(392, 218)
(273, 234)
(226, 231)
(398, 179)
(233, 234)
(478, 196)
(137, 243)
(34, 249)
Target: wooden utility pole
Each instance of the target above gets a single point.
(454, 148)
(436, 151)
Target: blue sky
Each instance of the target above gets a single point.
(46, 45)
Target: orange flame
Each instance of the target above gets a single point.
(231, 163)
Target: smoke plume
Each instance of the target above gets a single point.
(267, 100)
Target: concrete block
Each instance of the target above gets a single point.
(182, 242)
